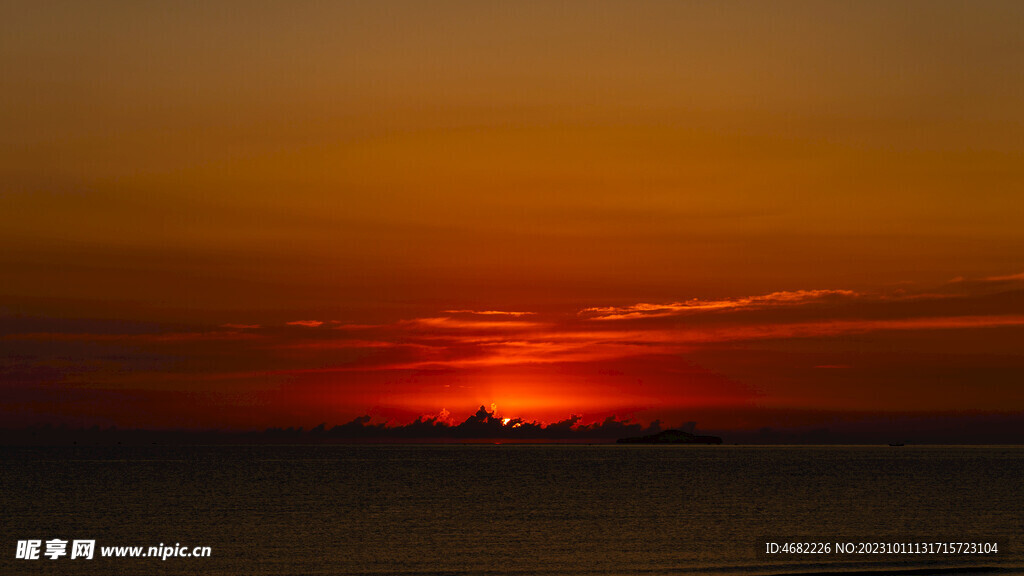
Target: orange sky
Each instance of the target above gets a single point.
(741, 213)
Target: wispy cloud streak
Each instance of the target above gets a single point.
(306, 323)
(648, 310)
(489, 312)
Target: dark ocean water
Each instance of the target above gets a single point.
(510, 509)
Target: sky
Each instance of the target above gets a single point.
(744, 214)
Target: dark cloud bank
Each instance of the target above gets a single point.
(965, 428)
(481, 426)
(485, 425)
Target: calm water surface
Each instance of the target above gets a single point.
(510, 509)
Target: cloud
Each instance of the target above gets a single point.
(492, 339)
(1000, 279)
(535, 343)
(306, 323)
(648, 310)
(486, 424)
(445, 322)
(595, 346)
(1009, 278)
(489, 312)
(828, 328)
(985, 285)
(341, 344)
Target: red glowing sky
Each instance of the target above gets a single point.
(255, 214)
(734, 362)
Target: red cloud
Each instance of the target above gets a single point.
(647, 310)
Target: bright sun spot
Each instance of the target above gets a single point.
(505, 421)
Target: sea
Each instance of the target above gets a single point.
(507, 509)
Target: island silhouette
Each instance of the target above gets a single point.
(670, 437)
